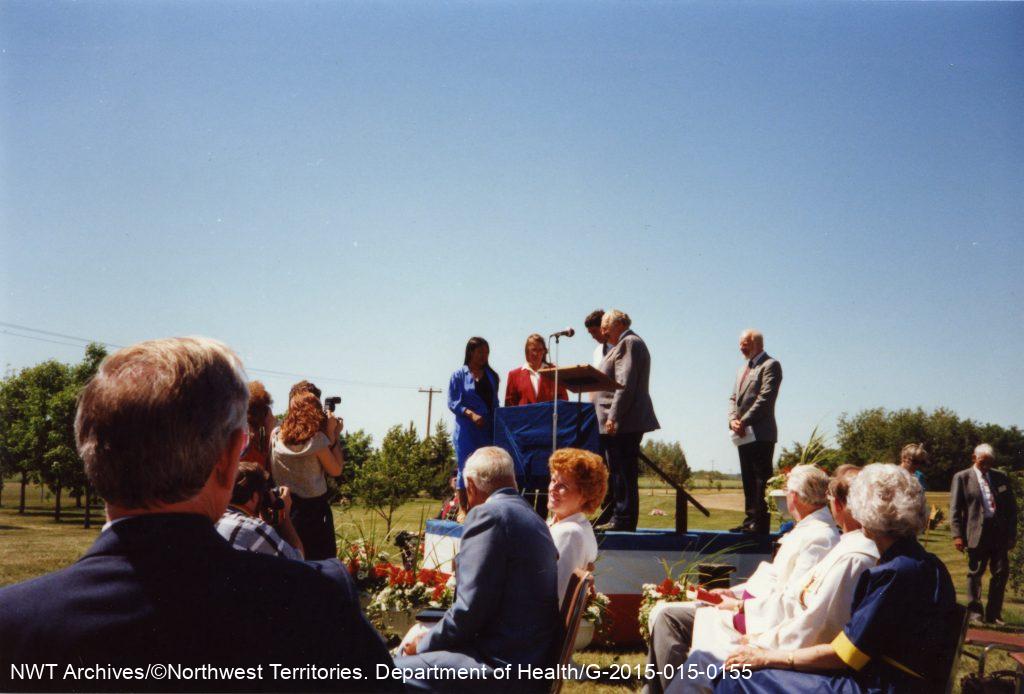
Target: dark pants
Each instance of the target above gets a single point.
(991, 552)
(756, 468)
(623, 455)
(314, 524)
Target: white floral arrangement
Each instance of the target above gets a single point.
(407, 591)
(653, 593)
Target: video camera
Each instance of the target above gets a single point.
(271, 503)
(331, 402)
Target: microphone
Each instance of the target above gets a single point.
(568, 332)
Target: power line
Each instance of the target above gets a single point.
(250, 369)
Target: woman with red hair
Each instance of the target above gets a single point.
(261, 425)
(306, 447)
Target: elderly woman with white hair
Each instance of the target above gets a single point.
(902, 633)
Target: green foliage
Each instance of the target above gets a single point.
(1017, 553)
(392, 475)
(438, 456)
(37, 409)
(670, 458)
(877, 435)
(815, 451)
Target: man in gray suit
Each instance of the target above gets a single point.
(983, 520)
(506, 602)
(752, 408)
(624, 415)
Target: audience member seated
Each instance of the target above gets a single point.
(902, 632)
(506, 606)
(305, 448)
(813, 536)
(812, 610)
(160, 428)
(241, 524)
(261, 423)
(579, 481)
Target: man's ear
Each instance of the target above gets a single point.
(227, 466)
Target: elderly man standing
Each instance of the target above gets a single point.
(624, 415)
(983, 520)
(813, 536)
(160, 429)
(752, 422)
(506, 603)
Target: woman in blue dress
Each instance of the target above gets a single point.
(903, 630)
(473, 399)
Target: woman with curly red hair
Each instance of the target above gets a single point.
(261, 425)
(306, 447)
(579, 481)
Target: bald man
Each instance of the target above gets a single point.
(752, 409)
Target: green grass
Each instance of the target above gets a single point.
(33, 544)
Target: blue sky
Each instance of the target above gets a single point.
(351, 190)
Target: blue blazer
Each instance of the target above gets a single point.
(462, 395)
(506, 577)
(169, 589)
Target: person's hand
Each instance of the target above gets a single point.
(730, 604)
(334, 426)
(479, 421)
(611, 427)
(756, 658)
(286, 498)
(958, 543)
(412, 638)
(737, 426)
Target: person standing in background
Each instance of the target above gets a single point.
(752, 409)
(593, 325)
(473, 399)
(913, 457)
(983, 521)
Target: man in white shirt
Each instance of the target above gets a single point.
(593, 326)
(809, 611)
(813, 536)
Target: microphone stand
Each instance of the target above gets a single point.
(554, 415)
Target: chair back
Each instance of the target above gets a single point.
(962, 620)
(574, 604)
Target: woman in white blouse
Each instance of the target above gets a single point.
(579, 481)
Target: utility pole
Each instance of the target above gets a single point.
(430, 401)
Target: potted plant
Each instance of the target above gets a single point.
(596, 620)
(405, 592)
(361, 557)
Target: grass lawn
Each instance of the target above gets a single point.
(32, 544)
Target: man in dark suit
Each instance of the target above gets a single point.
(624, 415)
(983, 520)
(160, 429)
(752, 410)
(506, 603)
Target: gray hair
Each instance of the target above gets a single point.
(983, 450)
(154, 420)
(887, 500)
(490, 468)
(754, 335)
(809, 483)
(616, 316)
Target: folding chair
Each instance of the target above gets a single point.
(574, 604)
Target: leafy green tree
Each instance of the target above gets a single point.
(670, 458)
(391, 475)
(438, 455)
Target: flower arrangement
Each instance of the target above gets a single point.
(597, 613)
(407, 590)
(775, 482)
(668, 590)
(362, 557)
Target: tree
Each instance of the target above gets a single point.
(392, 475)
(815, 451)
(357, 447)
(670, 458)
(438, 455)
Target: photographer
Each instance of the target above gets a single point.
(253, 497)
(303, 450)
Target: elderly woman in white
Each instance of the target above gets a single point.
(579, 481)
(813, 536)
(809, 611)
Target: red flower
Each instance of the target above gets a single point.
(668, 587)
(353, 566)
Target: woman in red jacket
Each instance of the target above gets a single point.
(525, 385)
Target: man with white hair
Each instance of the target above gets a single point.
(752, 423)
(758, 599)
(506, 604)
(983, 521)
(160, 428)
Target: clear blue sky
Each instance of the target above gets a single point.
(351, 190)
